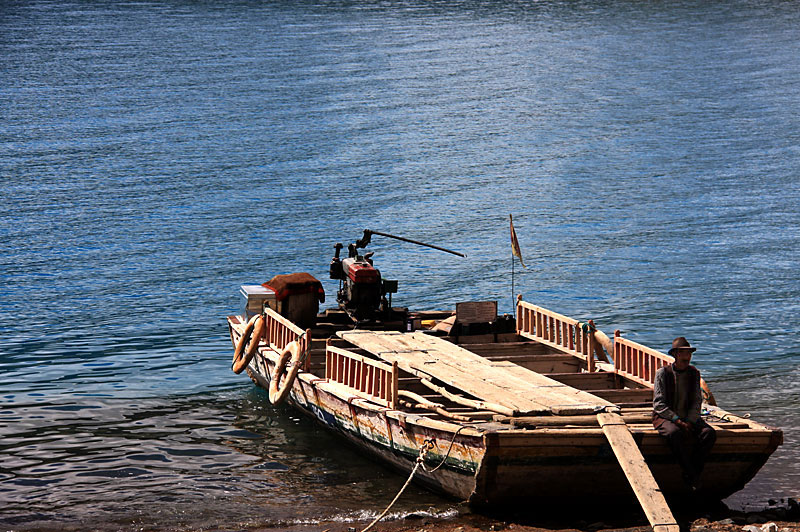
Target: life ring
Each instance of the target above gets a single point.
(252, 334)
(278, 391)
(706, 391)
(605, 342)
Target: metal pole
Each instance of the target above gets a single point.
(512, 277)
(417, 242)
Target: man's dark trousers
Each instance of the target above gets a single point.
(690, 447)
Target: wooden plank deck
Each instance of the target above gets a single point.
(499, 382)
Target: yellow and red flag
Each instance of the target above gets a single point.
(515, 243)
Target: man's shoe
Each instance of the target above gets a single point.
(692, 482)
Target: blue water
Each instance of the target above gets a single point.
(156, 155)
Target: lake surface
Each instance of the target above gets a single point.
(156, 155)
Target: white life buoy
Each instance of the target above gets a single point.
(247, 345)
(277, 390)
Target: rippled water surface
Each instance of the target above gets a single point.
(156, 155)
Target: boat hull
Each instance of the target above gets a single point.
(395, 440)
(494, 465)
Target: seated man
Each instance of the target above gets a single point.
(676, 412)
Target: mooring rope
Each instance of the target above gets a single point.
(452, 441)
(423, 450)
(303, 358)
(428, 444)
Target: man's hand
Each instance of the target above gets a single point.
(685, 427)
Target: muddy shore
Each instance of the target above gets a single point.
(783, 516)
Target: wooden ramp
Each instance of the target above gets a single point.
(504, 383)
(639, 475)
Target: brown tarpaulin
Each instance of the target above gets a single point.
(295, 283)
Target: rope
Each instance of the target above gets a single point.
(452, 441)
(422, 452)
(428, 444)
(303, 358)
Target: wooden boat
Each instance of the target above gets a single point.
(515, 408)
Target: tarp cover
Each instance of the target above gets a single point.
(295, 283)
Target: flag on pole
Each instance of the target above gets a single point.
(515, 243)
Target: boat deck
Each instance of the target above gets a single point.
(489, 381)
(501, 382)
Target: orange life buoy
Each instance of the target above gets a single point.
(707, 395)
(277, 390)
(247, 345)
(605, 342)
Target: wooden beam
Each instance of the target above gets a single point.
(640, 395)
(599, 380)
(494, 349)
(544, 363)
(433, 407)
(472, 403)
(556, 421)
(641, 479)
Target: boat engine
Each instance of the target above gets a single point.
(363, 293)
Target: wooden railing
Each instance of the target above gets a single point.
(638, 362)
(281, 331)
(555, 330)
(376, 380)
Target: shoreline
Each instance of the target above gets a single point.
(784, 515)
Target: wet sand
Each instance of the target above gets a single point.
(784, 514)
(484, 524)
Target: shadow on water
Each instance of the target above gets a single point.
(181, 461)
